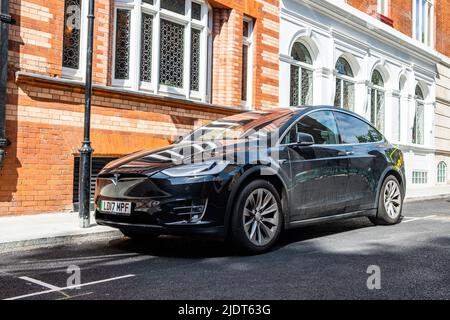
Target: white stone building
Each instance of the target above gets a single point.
(334, 54)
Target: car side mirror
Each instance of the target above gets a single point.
(305, 139)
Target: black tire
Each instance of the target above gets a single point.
(237, 235)
(383, 218)
(139, 235)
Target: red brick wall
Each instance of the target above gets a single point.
(367, 6)
(401, 12)
(443, 26)
(266, 60)
(44, 122)
(44, 125)
(227, 52)
(35, 39)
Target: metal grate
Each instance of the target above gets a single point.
(97, 165)
(71, 38)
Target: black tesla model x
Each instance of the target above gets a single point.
(247, 177)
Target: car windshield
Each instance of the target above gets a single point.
(250, 125)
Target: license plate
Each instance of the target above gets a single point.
(116, 207)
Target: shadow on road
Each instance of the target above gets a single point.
(307, 263)
(195, 248)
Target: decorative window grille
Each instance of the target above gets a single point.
(195, 59)
(377, 101)
(72, 34)
(162, 46)
(345, 86)
(146, 47)
(171, 54)
(301, 84)
(122, 48)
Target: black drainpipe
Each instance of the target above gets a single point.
(5, 21)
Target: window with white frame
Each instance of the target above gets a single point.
(74, 38)
(419, 177)
(423, 21)
(301, 85)
(419, 121)
(377, 100)
(399, 109)
(345, 85)
(162, 46)
(442, 172)
(246, 84)
(383, 7)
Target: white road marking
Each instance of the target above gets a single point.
(75, 296)
(41, 283)
(107, 256)
(410, 219)
(69, 287)
(44, 284)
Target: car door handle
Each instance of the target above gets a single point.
(345, 153)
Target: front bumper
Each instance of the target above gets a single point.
(213, 231)
(165, 205)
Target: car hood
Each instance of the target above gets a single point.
(152, 161)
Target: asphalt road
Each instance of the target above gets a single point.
(328, 261)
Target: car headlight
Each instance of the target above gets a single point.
(197, 169)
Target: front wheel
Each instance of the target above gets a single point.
(257, 218)
(390, 203)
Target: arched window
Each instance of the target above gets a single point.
(345, 86)
(377, 100)
(442, 172)
(419, 122)
(301, 76)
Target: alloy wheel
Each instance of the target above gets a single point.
(261, 217)
(392, 199)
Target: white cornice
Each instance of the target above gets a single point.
(341, 11)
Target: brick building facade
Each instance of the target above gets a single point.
(163, 67)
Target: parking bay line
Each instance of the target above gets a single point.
(44, 284)
(70, 287)
(410, 219)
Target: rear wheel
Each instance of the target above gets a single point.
(390, 203)
(257, 218)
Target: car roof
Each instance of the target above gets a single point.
(293, 112)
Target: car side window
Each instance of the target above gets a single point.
(354, 130)
(321, 125)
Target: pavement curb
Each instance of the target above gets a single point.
(55, 241)
(426, 198)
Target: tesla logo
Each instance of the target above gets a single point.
(115, 179)
(153, 204)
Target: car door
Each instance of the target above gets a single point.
(360, 139)
(319, 171)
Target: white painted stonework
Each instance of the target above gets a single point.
(333, 29)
